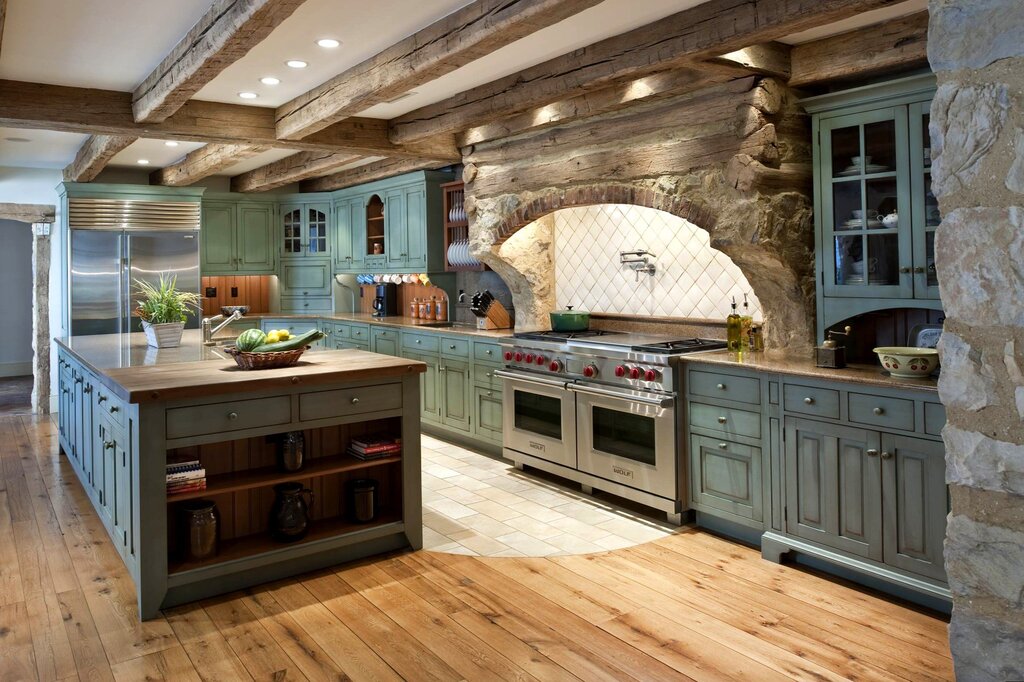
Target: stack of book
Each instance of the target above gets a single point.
(374, 447)
(183, 477)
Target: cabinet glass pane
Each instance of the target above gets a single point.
(881, 202)
(879, 147)
(293, 231)
(849, 257)
(929, 250)
(926, 140)
(845, 147)
(847, 205)
(932, 218)
(317, 231)
(881, 264)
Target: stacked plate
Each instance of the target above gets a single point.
(868, 169)
(458, 255)
(855, 223)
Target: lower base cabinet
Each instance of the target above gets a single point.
(384, 341)
(455, 398)
(430, 403)
(726, 477)
(487, 413)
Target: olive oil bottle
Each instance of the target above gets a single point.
(746, 322)
(732, 328)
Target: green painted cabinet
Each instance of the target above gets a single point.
(255, 238)
(306, 286)
(349, 234)
(875, 214)
(237, 237)
(217, 238)
(430, 392)
(487, 413)
(726, 476)
(384, 340)
(455, 398)
(305, 228)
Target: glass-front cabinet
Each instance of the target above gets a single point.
(304, 229)
(874, 212)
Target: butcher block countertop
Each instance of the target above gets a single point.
(139, 374)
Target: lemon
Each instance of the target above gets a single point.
(283, 334)
(272, 337)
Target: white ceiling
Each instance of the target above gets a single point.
(114, 44)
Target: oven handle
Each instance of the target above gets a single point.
(656, 401)
(528, 380)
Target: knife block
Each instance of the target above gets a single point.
(496, 317)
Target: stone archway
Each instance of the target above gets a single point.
(41, 218)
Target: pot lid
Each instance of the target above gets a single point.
(569, 311)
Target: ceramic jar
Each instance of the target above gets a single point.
(201, 529)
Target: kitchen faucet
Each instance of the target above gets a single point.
(209, 330)
(639, 264)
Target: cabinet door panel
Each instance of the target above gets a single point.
(346, 215)
(291, 230)
(916, 503)
(123, 499)
(317, 222)
(455, 399)
(487, 413)
(218, 238)
(306, 278)
(430, 407)
(256, 238)
(384, 341)
(395, 229)
(415, 201)
(726, 476)
(834, 486)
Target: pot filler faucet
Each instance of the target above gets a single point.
(641, 262)
(209, 330)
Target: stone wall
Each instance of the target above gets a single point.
(978, 176)
(733, 159)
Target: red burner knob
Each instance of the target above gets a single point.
(529, 358)
(650, 375)
(555, 366)
(519, 357)
(620, 371)
(508, 355)
(590, 371)
(634, 373)
(541, 360)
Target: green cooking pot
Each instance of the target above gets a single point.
(569, 320)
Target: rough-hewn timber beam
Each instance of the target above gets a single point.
(28, 213)
(290, 169)
(221, 37)
(202, 163)
(107, 112)
(377, 170)
(94, 155)
(3, 14)
(449, 43)
(702, 32)
(767, 59)
(893, 44)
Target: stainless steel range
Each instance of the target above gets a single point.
(600, 408)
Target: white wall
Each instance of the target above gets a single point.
(15, 298)
(39, 186)
(692, 280)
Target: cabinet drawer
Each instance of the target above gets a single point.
(111, 408)
(359, 333)
(420, 343)
(819, 402)
(385, 333)
(934, 418)
(725, 420)
(348, 344)
(486, 352)
(200, 420)
(725, 386)
(455, 348)
(346, 401)
(307, 304)
(894, 413)
(293, 326)
(483, 375)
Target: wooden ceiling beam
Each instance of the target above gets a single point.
(893, 44)
(220, 38)
(3, 14)
(702, 32)
(94, 155)
(28, 213)
(107, 112)
(767, 59)
(378, 170)
(294, 168)
(465, 35)
(203, 162)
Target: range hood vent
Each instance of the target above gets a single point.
(116, 214)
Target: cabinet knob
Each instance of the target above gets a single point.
(871, 452)
(442, 369)
(904, 271)
(722, 420)
(109, 444)
(489, 352)
(808, 400)
(402, 255)
(114, 408)
(886, 454)
(720, 387)
(418, 341)
(232, 415)
(488, 375)
(355, 401)
(101, 398)
(305, 305)
(490, 393)
(878, 411)
(723, 446)
(919, 270)
(87, 390)
(451, 347)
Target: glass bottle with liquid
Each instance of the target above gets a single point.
(732, 328)
(746, 321)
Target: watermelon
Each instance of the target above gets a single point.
(249, 339)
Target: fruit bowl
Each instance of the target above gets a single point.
(908, 362)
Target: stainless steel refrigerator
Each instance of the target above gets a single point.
(104, 265)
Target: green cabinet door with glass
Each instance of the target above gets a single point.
(237, 237)
(875, 216)
(304, 229)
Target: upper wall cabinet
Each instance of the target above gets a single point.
(875, 215)
(304, 229)
(393, 225)
(237, 237)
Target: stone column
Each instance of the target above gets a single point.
(977, 129)
(41, 317)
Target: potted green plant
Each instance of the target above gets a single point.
(163, 309)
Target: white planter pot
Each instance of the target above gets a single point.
(167, 335)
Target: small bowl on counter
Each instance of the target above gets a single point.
(908, 362)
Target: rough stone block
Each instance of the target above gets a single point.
(980, 253)
(971, 34)
(1015, 178)
(965, 382)
(973, 459)
(966, 122)
(985, 649)
(984, 560)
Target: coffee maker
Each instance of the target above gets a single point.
(385, 304)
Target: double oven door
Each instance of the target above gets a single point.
(539, 418)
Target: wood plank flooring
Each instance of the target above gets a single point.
(15, 395)
(687, 607)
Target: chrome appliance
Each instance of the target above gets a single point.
(600, 408)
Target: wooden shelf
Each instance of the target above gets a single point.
(260, 543)
(374, 218)
(267, 476)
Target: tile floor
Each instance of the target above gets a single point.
(481, 506)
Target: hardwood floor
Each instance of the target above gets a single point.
(15, 395)
(689, 606)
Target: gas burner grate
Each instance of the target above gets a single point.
(561, 336)
(682, 346)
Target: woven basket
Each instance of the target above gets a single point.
(266, 360)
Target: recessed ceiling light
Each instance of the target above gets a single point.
(143, 162)
(328, 42)
(248, 95)
(170, 143)
(17, 139)
(270, 80)
(296, 63)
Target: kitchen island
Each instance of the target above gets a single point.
(127, 410)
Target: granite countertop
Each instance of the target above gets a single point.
(102, 352)
(872, 375)
(398, 321)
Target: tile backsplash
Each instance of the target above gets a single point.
(692, 280)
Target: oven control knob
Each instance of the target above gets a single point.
(590, 371)
(508, 355)
(651, 375)
(555, 366)
(519, 356)
(529, 358)
(541, 360)
(620, 371)
(635, 373)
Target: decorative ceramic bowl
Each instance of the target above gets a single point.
(907, 361)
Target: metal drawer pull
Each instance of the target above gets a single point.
(451, 347)
(418, 341)
(878, 411)
(723, 446)
(808, 401)
(232, 415)
(904, 270)
(722, 420)
(653, 400)
(720, 387)
(101, 398)
(488, 375)
(355, 401)
(489, 352)
(109, 444)
(886, 454)
(871, 452)
(114, 408)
